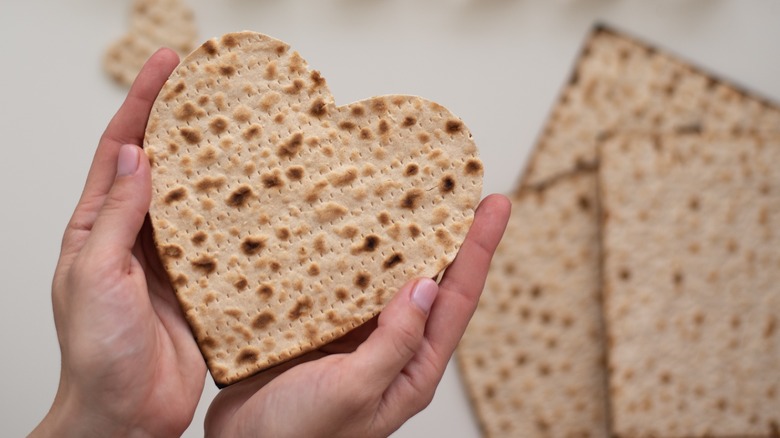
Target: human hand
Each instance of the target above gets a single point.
(370, 383)
(130, 365)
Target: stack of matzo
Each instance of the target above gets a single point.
(670, 372)
(284, 220)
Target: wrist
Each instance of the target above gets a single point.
(68, 418)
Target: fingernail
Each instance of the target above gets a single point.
(127, 162)
(424, 293)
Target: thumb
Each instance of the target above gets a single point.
(398, 336)
(123, 212)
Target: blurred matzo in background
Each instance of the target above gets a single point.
(153, 24)
(547, 353)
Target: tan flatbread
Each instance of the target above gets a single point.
(618, 83)
(691, 262)
(532, 357)
(284, 220)
(622, 83)
(153, 24)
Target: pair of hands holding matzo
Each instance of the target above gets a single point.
(130, 365)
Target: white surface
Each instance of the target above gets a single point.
(498, 64)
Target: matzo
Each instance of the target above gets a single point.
(692, 293)
(283, 220)
(532, 357)
(618, 83)
(153, 24)
(621, 83)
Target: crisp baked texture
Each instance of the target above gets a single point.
(532, 357)
(621, 83)
(153, 24)
(284, 220)
(618, 84)
(692, 297)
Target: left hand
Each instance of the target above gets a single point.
(130, 365)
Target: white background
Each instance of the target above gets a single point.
(498, 64)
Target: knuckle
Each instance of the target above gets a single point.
(423, 395)
(425, 399)
(406, 340)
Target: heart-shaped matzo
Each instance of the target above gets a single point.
(283, 220)
(153, 24)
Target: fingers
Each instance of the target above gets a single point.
(459, 292)
(124, 209)
(398, 335)
(405, 323)
(464, 279)
(127, 127)
(129, 123)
